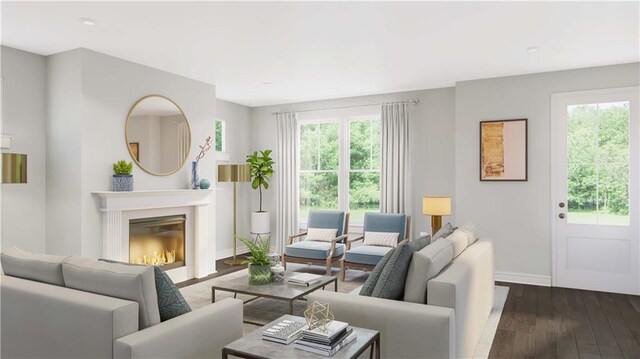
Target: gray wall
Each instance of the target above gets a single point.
(23, 209)
(108, 88)
(238, 145)
(431, 141)
(516, 215)
(64, 130)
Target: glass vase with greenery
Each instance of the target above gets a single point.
(259, 261)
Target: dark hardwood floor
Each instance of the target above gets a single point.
(221, 269)
(543, 322)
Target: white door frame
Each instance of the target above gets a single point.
(555, 170)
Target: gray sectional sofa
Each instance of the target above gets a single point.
(43, 317)
(441, 316)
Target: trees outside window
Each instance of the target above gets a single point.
(598, 163)
(340, 166)
(220, 136)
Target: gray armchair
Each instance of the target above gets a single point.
(299, 250)
(365, 257)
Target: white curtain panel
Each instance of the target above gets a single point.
(287, 178)
(394, 185)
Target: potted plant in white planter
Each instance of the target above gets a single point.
(259, 260)
(122, 180)
(261, 171)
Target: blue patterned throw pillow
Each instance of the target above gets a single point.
(171, 303)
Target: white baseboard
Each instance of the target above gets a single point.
(226, 253)
(523, 278)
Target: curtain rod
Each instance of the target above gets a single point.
(413, 101)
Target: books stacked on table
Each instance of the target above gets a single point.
(284, 332)
(327, 343)
(304, 279)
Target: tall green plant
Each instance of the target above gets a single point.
(259, 251)
(261, 170)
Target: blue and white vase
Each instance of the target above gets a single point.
(122, 183)
(195, 175)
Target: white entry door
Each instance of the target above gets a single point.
(595, 163)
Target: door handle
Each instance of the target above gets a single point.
(561, 215)
(561, 204)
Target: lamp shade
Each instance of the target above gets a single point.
(234, 173)
(14, 168)
(436, 206)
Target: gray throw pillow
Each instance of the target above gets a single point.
(171, 303)
(418, 244)
(367, 287)
(444, 231)
(43, 268)
(391, 282)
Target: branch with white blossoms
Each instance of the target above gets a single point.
(204, 149)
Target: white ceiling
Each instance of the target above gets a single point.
(320, 50)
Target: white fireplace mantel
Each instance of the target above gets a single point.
(116, 206)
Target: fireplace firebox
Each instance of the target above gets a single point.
(158, 241)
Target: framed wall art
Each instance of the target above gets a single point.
(503, 150)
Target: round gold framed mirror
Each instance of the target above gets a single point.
(158, 135)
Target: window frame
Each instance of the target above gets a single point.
(344, 160)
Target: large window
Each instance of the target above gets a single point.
(340, 166)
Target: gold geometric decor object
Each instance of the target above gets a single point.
(319, 316)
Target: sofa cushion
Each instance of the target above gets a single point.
(171, 303)
(443, 232)
(135, 283)
(321, 234)
(366, 254)
(471, 230)
(43, 268)
(460, 240)
(370, 284)
(313, 249)
(391, 283)
(425, 265)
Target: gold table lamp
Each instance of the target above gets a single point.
(14, 168)
(234, 174)
(436, 207)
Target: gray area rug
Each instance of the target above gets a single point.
(266, 310)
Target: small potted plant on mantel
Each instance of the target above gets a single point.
(261, 171)
(259, 261)
(122, 180)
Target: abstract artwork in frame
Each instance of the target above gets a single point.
(503, 150)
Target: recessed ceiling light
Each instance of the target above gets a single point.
(88, 21)
(267, 83)
(533, 49)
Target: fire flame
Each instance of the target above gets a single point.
(156, 259)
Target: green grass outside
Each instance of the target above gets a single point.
(593, 217)
(355, 215)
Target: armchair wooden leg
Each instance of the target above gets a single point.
(343, 270)
(284, 261)
(328, 266)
